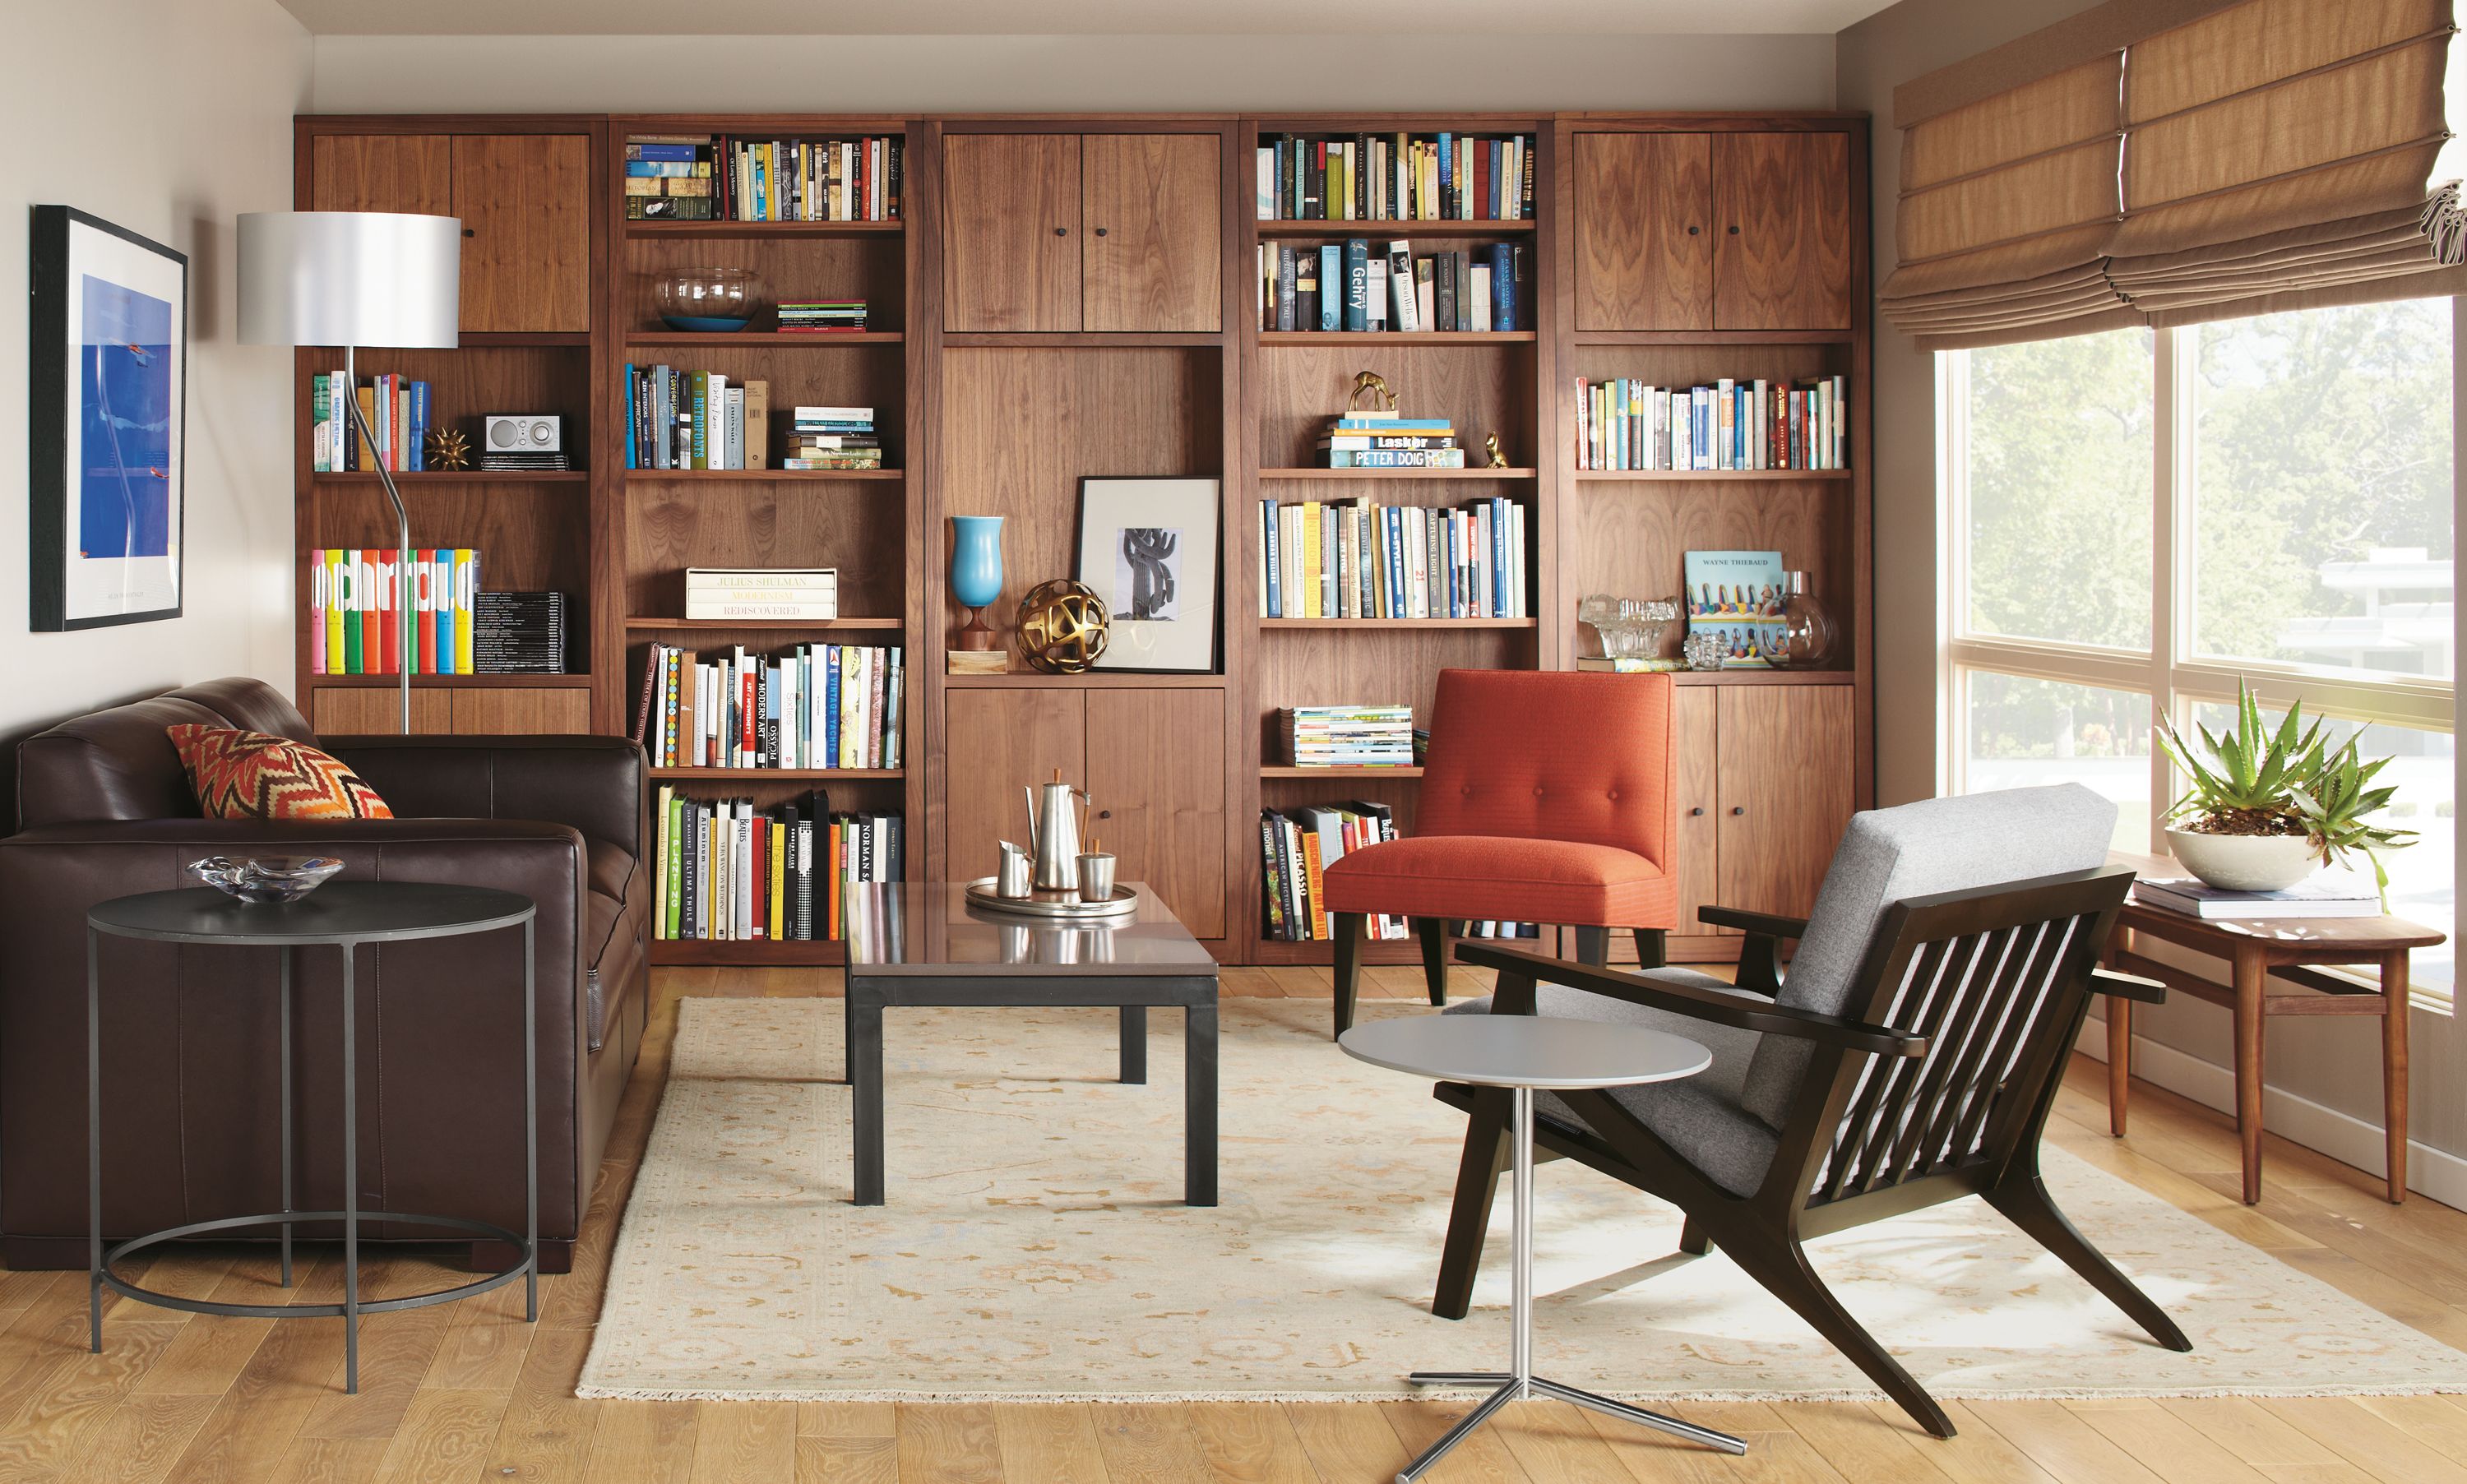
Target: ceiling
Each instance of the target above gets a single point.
(1069, 18)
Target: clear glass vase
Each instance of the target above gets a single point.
(1804, 638)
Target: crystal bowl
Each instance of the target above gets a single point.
(709, 300)
(266, 880)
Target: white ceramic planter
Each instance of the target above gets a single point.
(2245, 863)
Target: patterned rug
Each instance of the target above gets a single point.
(1035, 1245)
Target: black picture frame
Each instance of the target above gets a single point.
(1189, 639)
(71, 253)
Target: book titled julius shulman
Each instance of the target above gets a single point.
(1737, 596)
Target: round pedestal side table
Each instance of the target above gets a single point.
(1521, 1053)
(342, 915)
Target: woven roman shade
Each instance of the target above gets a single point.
(2166, 162)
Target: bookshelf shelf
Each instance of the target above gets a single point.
(790, 774)
(1092, 679)
(1728, 476)
(446, 681)
(767, 339)
(738, 476)
(764, 229)
(1393, 229)
(1396, 474)
(413, 479)
(1080, 340)
(799, 953)
(1400, 623)
(642, 625)
(1276, 771)
(1765, 676)
(1711, 337)
(1370, 338)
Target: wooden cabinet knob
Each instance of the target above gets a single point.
(1738, 808)
(1061, 231)
(1735, 232)
(1100, 232)
(1698, 810)
(1692, 231)
(469, 233)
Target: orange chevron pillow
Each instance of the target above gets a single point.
(240, 775)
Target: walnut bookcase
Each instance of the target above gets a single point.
(1071, 297)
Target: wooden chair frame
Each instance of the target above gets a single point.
(1880, 1127)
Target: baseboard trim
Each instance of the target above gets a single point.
(2324, 1130)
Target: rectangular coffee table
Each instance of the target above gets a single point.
(916, 944)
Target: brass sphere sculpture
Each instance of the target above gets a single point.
(1063, 627)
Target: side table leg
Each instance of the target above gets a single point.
(865, 1089)
(531, 1125)
(350, 1182)
(2119, 1063)
(1199, 1104)
(2395, 1000)
(283, 1049)
(1135, 1042)
(94, 1139)
(2248, 1011)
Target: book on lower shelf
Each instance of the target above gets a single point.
(720, 177)
(1730, 425)
(519, 633)
(677, 418)
(1386, 440)
(398, 413)
(354, 627)
(1354, 559)
(832, 437)
(1297, 846)
(821, 316)
(1348, 737)
(1364, 286)
(729, 871)
(1399, 176)
(2331, 894)
(817, 705)
(786, 595)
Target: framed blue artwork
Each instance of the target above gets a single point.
(107, 412)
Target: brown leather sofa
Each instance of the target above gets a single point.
(189, 1113)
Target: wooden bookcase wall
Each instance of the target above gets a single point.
(1079, 301)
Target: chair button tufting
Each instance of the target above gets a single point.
(1537, 790)
(1614, 792)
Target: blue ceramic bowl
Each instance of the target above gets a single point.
(705, 324)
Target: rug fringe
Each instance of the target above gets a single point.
(591, 1393)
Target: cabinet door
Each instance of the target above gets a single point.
(381, 172)
(998, 742)
(1783, 201)
(1694, 735)
(365, 710)
(1011, 243)
(525, 204)
(1156, 770)
(1783, 793)
(497, 712)
(1150, 257)
(1644, 238)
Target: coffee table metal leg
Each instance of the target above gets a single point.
(1199, 1105)
(351, 1183)
(94, 1138)
(864, 1087)
(283, 1049)
(1135, 1042)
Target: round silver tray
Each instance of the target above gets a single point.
(1054, 906)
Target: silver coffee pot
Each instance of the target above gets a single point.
(1055, 811)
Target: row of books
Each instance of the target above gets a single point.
(819, 706)
(821, 316)
(1624, 423)
(354, 627)
(1424, 177)
(1348, 737)
(1385, 440)
(396, 409)
(1348, 287)
(778, 594)
(707, 178)
(1295, 849)
(730, 871)
(691, 420)
(1353, 559)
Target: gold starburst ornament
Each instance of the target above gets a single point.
(1063, 627)
(447, 449)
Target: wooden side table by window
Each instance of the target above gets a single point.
(2292, 951)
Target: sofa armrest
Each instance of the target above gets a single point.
(592, 784)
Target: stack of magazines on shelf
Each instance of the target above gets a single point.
(834, 437)
(1625, 423)
(1322, 559)
(519, 634)
(821, 316)
(819, 706)
(2330, 894)
(1349, 736)
(731, 871)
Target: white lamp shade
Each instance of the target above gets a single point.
(350, 278)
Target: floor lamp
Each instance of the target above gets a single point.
(352, 279)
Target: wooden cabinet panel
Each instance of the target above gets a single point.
(1783, 205)
(1784, 795)
(364, 710)
(995, 742)
(1694, 738)
(1156, 766)
(381, 172)
(525, 204)
(520, 709)
(1644, 230)
(1150, 252)
(1010, 246)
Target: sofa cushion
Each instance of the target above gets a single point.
(1506, 879)
(119, 764)
(240, 775)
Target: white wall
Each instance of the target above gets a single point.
(168, 118)
(904, 75)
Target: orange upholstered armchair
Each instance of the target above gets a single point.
(1548, 797)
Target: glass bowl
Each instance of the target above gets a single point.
(711, 300)
(266, 880)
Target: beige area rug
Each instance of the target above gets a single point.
(1033, 1245)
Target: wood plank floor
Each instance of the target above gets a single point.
(468, 1393)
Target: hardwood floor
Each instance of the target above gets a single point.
(468, 1393)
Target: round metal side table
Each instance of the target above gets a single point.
(342, 915)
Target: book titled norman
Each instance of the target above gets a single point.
(1737, 596)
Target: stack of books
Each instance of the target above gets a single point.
(730, 871)
(821, 316)
(1385, 440)
(1349, 736)
(396, 409)
(1625, 423)
(2331, 894)
(1323, 559)
(706, 177)
(819, 706)
(1425, 177)
(782, 594)
(691, 419)
(834, 437)
(519, 632)
(1355, 286)
(524, 462)
(1297, 845)
(353, 627)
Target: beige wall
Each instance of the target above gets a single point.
(1065, 74)
(180, 121)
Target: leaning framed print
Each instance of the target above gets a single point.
(107, 400)
(1148, 547)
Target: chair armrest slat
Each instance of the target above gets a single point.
(1719, 1007)
(1768, 924)
(2118, 986)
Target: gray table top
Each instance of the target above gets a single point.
(361, 911)
(904, 928)
(1524, 1051)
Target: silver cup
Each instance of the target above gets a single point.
(1012, 881)
(1097, 877)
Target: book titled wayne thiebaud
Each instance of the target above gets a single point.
(1737, 596)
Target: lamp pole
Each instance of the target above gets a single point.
(402, 622)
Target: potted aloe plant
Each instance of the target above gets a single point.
(2266, 810)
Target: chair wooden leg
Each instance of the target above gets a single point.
(1652, 947)
(1786, 1274)
(1593, 946)
(1485, 1157)
(1346, 928)
(2025, 1201)
(1434, 932)
(1693, 1240)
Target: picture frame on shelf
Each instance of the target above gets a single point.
(1148, 548)
(108, 339)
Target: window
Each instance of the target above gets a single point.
(2136, 520)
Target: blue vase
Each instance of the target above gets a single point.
(976, 573)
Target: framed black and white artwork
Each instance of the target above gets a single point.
(1148, 547)
(109, 338)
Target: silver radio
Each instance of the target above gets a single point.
(518, 433)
